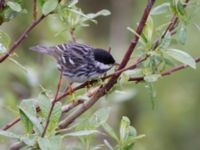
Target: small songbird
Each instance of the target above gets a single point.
(79, 62)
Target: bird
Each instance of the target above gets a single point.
(79, 62)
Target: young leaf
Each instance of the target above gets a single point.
(4, 41)
(103, 12)
(57, 111)
(14, 6)
(110, 131)
(181, 34)
(31, 118)
(51, 143)
(152, 77)
(100, 117)
(124, 128)
(108, 145)
(182, 56)
(163, 8)
(49, 6)
(44, 104)
(81, 133)
(73, 3)
(27, 105)
(9, 134)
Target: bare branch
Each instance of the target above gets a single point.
(34, 10)
(53, 103)
(21, 38)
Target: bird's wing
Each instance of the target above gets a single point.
(75, 54)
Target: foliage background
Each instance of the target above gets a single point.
(173, 124)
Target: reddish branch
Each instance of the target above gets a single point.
(2, 5)
(53, 103)
(170, 28)
(167, 72)
(34, 10)
(21, 38)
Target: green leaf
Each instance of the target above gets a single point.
(163, 8)
(182, 57)
(30, 140)
(110, 131)
(100, 117)
(124, 128)
(142, 39)
(31, 118)
(82, 133)
(51, 143)
(28, 106)
(182, 34)
(44, 104)
(55, 117)
(4, 41)
(166, 41)
(73, 3)
(149, 29)
(108, 145)
(49, 6)
(103, 12)
(9, 134)
(152, 77)
(18, 64)
(14, 6)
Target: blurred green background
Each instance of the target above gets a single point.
(173, 124)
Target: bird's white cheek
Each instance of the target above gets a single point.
(103, 66)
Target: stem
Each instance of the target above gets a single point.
(167, 72)
(21, 38)
(34, 10)
(53, 103)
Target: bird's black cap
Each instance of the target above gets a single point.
(103, 56)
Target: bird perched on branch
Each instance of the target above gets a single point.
(79, 62)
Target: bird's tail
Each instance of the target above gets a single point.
(43, 49)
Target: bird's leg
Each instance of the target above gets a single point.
(69, 90)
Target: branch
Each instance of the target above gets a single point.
(34, 10)
(21, 38)
(104, 89)
(167, 72)
(2, 5)
(172, 25)
(53, 103)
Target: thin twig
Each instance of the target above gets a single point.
(170, 28)
(2, 5)
(21, 38)
(53, 103)
(34, 10)
(167, 72)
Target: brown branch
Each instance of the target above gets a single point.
(167, 72)
(10, 124)
(2, 5)
(24, 35)
(53, 103)
(16, 146)
(21, 38)
(34, 10)
(170, 28)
